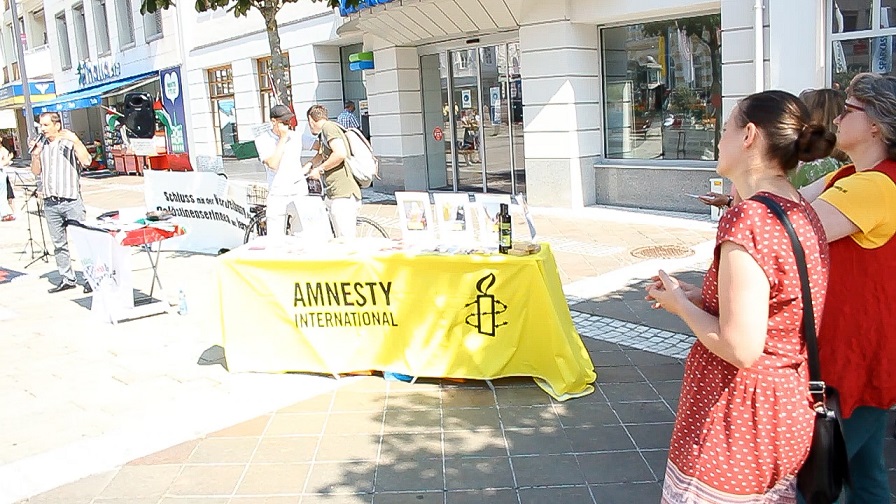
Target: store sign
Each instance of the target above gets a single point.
(90, 72)
(345, 10)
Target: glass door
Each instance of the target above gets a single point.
(473, 116)
(465, 86)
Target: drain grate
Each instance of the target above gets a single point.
(662, 252)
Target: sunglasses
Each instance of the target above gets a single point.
(849, 108)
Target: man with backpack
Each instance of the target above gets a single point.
(342, 190)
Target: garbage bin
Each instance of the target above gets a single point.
(244, 150)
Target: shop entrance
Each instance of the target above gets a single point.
(473, 116)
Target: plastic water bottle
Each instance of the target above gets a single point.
(181, 303)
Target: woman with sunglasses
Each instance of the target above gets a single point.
(857, 337)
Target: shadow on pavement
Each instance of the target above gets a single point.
(628, 304)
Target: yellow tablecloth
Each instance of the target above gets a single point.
(453, 316)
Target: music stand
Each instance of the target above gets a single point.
(43, 253)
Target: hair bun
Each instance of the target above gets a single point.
(815, 142)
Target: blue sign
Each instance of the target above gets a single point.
(173, 107)
(362, 4)
(37, 88)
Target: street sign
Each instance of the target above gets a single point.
(437, 134)
(24, 39)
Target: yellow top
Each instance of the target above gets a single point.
(868, 199)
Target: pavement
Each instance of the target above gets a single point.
(144, 411)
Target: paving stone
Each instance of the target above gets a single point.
(410, 475)
(478, 473)
(552, 495)
(615, 467)
(546, 470)
(617, 392)
(480, 496)
(631, 492)
(643, 412)
(598, 439)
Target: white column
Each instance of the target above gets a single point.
(560, 67)
(738, 70)
(316, 79)
(396, 117)
(788, 71)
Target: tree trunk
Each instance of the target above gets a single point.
(278, 73)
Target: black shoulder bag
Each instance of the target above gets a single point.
(825, 471)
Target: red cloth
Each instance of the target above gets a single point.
(857, 339)
(747, 432)
(149, 234)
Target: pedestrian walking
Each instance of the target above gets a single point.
(57, 159)
(744, 421)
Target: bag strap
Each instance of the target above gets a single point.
(816, 385)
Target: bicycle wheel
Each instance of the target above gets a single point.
(257, 226)
(366, 227)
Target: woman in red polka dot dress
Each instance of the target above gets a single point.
(744, 421)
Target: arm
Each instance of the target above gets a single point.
(812, 191)
(35, 161)
(273, 161)
(835, 224)
(336, 158)
(738, 334)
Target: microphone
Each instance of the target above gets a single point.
(41, 139)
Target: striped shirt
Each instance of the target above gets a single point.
(60, 170)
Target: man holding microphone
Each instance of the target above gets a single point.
(56, 156)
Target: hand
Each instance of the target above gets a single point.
(668, 294)
(315, 173)
(715, 199)
(34, 148)
(70, 136)
(281, 130)
(692, 292)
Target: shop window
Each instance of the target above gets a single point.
(220, 91)
(15, 71)
(662, 89)
(80, 32)
(65, 52)
(5, 75)
(101, 22)
(265, 81)
(123, 14)
(152, 25)
(862, 46)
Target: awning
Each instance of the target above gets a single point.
(89, 97)
(12, 96)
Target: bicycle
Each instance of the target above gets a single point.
(365, 227)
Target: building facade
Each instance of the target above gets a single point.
(36, 49)
(577, 103)
(101, 50)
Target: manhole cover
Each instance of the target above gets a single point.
(662, 252)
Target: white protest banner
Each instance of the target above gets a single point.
(107, 266)
(214, 212)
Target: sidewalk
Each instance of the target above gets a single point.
(142, 413)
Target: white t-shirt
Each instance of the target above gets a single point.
(288, 179)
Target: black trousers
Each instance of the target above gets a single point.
(9, 193)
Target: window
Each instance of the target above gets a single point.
(101, 22)
(662, 89)
(65, 53)
(39, 27)
(15, 70)
(220, 91)
(124, 13)
(152, 25)
(80, 32)
(861, 38)
(5, 75)
(265, 80)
